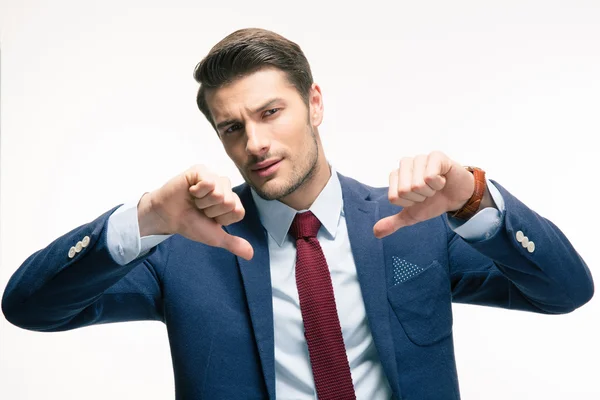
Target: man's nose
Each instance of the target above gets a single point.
(258, 141)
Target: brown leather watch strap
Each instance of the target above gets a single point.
(472, 206)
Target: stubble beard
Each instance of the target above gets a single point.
(297, 179)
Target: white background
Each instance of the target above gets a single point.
(98, 106)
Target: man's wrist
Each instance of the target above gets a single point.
(149, 221)
(474, 204)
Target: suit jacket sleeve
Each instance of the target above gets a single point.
(500, 272)
(52, 292)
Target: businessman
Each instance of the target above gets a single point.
(301, 283)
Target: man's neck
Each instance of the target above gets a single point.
(303, 197)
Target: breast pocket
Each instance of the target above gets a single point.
(423, 305)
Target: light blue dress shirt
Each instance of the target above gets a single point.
(293, 374)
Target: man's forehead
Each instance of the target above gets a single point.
(248, 93)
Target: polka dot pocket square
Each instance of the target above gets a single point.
(404, 270)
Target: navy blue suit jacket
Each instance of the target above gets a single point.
(218, 307)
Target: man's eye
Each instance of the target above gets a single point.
(271, 112)
(232, 128)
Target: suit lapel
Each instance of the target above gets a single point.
(361, 214)
(256, 275)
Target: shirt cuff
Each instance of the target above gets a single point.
(485, 223)
(123, 235)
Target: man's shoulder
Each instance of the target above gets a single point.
(373, 193)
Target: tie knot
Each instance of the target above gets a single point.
(305, 225)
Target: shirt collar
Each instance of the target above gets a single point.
(277, 217)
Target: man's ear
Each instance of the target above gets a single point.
(315, 102)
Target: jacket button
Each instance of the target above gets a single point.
(520, 236)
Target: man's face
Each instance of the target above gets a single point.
(268, 131)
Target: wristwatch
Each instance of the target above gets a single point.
(472, 205)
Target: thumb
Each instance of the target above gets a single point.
(236, 245)
(388, 225)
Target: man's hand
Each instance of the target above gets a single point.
(195, 204)
(425, 186)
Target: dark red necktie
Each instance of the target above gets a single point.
(319, 313)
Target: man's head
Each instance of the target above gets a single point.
(257, 91)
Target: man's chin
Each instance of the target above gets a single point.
(268, 192)
(272, 189)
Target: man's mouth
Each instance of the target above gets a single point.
(266, 167)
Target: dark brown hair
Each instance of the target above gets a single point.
(246, 51)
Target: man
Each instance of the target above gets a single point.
(302, 282)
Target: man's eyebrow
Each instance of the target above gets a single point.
(268, 104)
(223, 124)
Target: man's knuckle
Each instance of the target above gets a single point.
(436, 154)
(229, 205)
(404, 190)
(418, 186)
(242, 213)
(218, 196)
